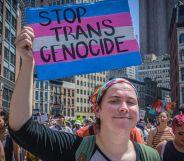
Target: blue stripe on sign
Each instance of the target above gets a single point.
(97, 9)
(60, 70)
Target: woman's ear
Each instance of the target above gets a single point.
(97, 111)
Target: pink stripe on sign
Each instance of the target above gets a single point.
(120, 19)
(130, 45)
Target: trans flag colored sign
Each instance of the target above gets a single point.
(82, 38)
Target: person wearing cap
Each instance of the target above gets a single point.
(60, 124)
(116, 110)
(77, 126)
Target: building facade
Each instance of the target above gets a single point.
(129, 72)
(176, 37)
(85, 85)
(41, 96)
(157, 68)
(10, 22)
(154, 22)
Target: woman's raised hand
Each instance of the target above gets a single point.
(24, 42)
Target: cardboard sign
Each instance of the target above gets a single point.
(142, 114)
(82, 38)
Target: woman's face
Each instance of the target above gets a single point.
(163, 118)
(179, 135)
(119, 108)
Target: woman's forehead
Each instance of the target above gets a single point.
(122, 87)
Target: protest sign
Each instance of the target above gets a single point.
(142, 114)
(82, 38)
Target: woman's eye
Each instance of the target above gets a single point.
(131, 103)
(114, 101)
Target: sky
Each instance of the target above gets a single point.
(134, 9)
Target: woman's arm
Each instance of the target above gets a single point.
(150, 137)
(21, 102)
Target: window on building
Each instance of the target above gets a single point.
(12, 40)
(7, 34)
(1, 28)
(6, 73)
(14, 4)
(81, 83)
(1, 7)
(37, 84)
(72, 102)
(72, 93)
(14, 22)
(182, 55)
(41, 96)
(73, 112)
(46, 108)
(7, 93)
(6, 54)
(46, 95)
(182, 74)
(12, 76)
(36, 95)
(68, 101)
(68, 111)
(8, 15)
(41, 84)
(46, 85)
(12, 58)
(181, 40)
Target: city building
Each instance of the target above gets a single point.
(62, 98)
(176, 37)
(41, 96)
(10, 22)
(68, 97)
(85, 85)
(129, 72)
(148, 92)
(157, 68)
(154, 21)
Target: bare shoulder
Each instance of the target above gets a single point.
(153, 131)
(160, 146)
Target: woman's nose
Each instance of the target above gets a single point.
(123, 107)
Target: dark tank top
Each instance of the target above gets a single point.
(171, 154)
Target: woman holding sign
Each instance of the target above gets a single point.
(116, 110)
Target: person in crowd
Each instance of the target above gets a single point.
(11, 149)
(116, 111)
(2, 155)
(174, 150)
(60, 124)
(141, 127)
(161, 132)
(77, 126)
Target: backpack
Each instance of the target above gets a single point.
(85, 150)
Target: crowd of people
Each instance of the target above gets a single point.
(116, 133)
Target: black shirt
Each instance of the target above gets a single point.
(51, 145)
(171, 154)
